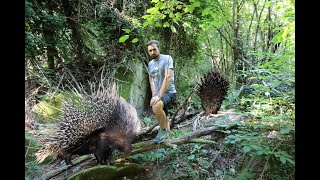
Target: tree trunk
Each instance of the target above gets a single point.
(48, 34)
(237, 48)
(76, 34)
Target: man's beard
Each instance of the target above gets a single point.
(155, 56)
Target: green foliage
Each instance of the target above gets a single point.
(175, 133)
(169, 14)
(147, 119)
(123, 38)
(36, 23)
(269, 137)
(136, 32)
(48, 110)
(32, 169)
(268, 143)
(32, 145)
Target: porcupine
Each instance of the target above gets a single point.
(212, 91)
(100, 124)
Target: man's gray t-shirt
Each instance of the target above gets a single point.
(156, 69)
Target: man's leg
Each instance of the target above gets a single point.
(162, 119)
(157, 109)
(167, 101)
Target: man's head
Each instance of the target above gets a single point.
(153, 49)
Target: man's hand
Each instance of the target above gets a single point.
(154, 100)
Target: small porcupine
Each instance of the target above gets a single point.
(212, 91)
(99, 123)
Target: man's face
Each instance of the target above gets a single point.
(153, 51)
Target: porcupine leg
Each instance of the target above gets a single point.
(67, 158)
(100, 152)
(60, 158)
(98, 156)
(108, 156)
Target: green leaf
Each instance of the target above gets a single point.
(147, 119)
(185, 25)
(277, 7)
(158, 154)
(204, 26)
(260, 152)
(278, 37)
(178, 16)
(204, 151)
(268, 4)
(227, 131)
(206, 11)
(189, 9)
(283, 159)
(285, 33)
(160, 5)
(246, 149)
(291, 161)
(173, 29)
(155, 1)
(126, 30)
(135, 40)
(146, 16)
(123, 38)
(216, 23)
(255, 147)
(158, 24)
(153, 10)
(171, 15)
(191, 157)
(196, 4)
(166, 24)
(285, 131)
(145, 24)
(232, 170)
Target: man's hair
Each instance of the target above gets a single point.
(155, 42)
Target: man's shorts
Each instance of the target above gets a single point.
(168, 99)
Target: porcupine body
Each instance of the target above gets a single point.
(101, 123)
(212, 91)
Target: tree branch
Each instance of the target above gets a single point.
(189, 138)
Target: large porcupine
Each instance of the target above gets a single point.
(212, 91)
(99, 123)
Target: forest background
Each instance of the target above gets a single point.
(251, 42)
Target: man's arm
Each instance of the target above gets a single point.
(152, 86)
(154, 98)
(166, 81)
(165, 85)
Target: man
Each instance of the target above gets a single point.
(161, 79)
